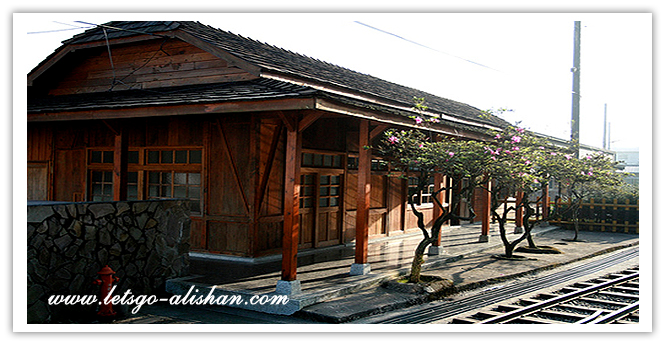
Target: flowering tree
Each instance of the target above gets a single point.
(413, 153)
(580, 178)
(520, 165)
(526, 163)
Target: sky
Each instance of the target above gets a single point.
(520, 62)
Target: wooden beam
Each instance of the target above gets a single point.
(402, 121)
(363, 194)
(436, 210)
(308, 120)
(175, 110)
(120, 165)
(378, 130)
(519, 210)
(234, 166)
(485, 212)
(291, 226)
(544, 202)
(291, 122)
(259, 196)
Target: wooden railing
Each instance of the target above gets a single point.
(604, 215)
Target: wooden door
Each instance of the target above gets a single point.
(38, 174)
(320, 209)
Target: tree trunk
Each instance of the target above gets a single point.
(417, 261)
(528, 226)
(509, 246)
(575, 221)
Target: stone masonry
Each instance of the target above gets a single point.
(144, 242)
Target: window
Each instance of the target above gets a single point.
(172, 184)
(329, 190)
(375, 164)
(101, 183)
(307, 194)
(173, 157)
(423, 196)
(154, 173)
(320, 160)
(326, 192)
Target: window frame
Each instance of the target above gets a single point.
(142, 168)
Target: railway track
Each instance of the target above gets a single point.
(498, 294)
(610, 299)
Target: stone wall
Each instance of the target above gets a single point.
(144, 242)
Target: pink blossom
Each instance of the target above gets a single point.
(589, 173)
(393, 139)
(536, 181)
(520, 130)
(553, 154)
(493, 158)
(516, 148)
(418, 120)
(528, 162)
(451, 154)
(568, 157)
(541, 148)
(498, 136)
(420, 146)
(515, 139)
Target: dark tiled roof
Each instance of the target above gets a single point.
(263, 89)
(128, 29)
(295, 66)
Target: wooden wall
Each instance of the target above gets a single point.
(145, 65)
(242, 175)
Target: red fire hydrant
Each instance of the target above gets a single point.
(106, 282)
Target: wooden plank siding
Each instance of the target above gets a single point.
(146, 65)
(40, 157)
(242, 176)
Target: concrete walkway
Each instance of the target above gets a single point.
(324, 273)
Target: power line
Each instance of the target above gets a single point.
(60, 30)
(424, 46)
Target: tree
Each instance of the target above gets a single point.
(581, 178)
(519, 166)
(413, 153)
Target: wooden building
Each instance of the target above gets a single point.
(267, 144)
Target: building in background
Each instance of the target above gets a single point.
(629, 159)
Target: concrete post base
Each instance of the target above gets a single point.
(359, 269)
(483, 238)
(518, 230)
(288, 287)
(436, 250)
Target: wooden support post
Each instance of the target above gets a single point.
(545, 202)
(519, 214)
(436, 210)
(291, 205)
(361, 265)
(436, 248)
(120, 165)
(485, 213)
(458, 208)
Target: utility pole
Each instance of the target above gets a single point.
(605, 127)
(575, 104)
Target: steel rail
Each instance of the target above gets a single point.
(617, 314)
(506, 292)
(518, 313)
